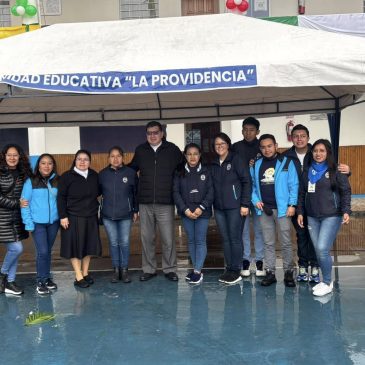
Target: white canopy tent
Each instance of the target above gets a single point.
(184, 69)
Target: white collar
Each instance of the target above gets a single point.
(82, 173)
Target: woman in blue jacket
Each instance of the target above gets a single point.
(325, 196)
(193, 196)
(118, 186)
(232, 197)
(40, 217)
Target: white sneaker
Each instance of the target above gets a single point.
(323, 290)
(316, 287)
(260, 269)
(245, 273)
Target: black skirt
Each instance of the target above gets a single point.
(81, 238)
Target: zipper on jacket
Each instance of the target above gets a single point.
(129, 204)
(335, 200)
(154, 181)
(114, 193)
(49, 207)
(234, 192)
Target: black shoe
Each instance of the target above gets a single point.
(50, 284)
(12, 288)
(2, 282)
(147, 276)
(81, 283)
(224, 276)
(233, 277)
(124, 275)
(171, 276)
(268, 279)
(42, 289)
(116, 276)
(289, 279)
(89, 279)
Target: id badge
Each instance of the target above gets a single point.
(311, 187)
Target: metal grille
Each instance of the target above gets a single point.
(5, 19)
(136, 9)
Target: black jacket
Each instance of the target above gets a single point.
(77, 196)
(293, 155)
(156, 172)
(11, 225)
(325, 202)
(231, 182)
(119, 189)
(247, 150)
(194, 190)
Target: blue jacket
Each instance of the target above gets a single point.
(42, 202)
(231, 182)
(118, 189)
(185, 198)
(286, 184)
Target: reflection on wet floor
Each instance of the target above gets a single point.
(161, 322)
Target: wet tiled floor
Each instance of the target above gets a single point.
(161, 322)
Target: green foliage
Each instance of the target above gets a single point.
(38, 317)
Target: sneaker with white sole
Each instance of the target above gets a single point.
(245, 272)
(42, 288)
(232, 278)
(319, 285)
(314, 276)
(223, 277)
(260, 269)
(302, 274)
(12, 288)
(323, 290)
(189, 275)
(196, 278)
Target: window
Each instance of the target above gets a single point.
(5, 20)
(136, 9)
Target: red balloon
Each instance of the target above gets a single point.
(230, 4)
(243, 7)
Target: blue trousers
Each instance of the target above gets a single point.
(323, 232)
(196, 230)
(118, 232)
(230, 223)
(10, 264)
(44, 236)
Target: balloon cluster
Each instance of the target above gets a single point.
(22, 8)
(241, 5)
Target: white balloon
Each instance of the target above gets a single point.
(237, 2)
(20, 10)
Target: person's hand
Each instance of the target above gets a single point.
(244, 211)
(135, 217)
(64, 223)
(290, 211)
(251, 162)
(260, 205)
(344, 169)
(198, 212)
(23, 203)
(189, 214)
(345, 218)
(300, 221)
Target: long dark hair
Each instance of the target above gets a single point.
(79, 152)
(23, 166)
(225, 138)
(37, 174)
(181, 168)
(332, 165)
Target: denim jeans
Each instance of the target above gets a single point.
(323, 232)
(196, 230)
(44, 236)
(14, 250)
(306, 253)
(258, 238)
(230, 223)
(118, 232)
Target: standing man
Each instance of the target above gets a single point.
(249, 150)
(275, 195)
(300, 153)
(156, 161)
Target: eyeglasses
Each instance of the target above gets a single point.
(153, 133)
(12, 156)
(82, 159)
(220, 144)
